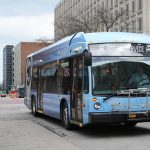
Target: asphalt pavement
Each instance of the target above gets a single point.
(20, 131)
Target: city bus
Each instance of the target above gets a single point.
(89, 78)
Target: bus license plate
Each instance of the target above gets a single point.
(132, 116)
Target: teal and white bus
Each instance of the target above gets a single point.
(91, 79)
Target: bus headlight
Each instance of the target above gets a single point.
(97, 105)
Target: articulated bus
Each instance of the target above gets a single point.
(92, 78)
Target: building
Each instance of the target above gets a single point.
(138, 11)
(7, 66)
(21, 51)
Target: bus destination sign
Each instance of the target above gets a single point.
(140, 48)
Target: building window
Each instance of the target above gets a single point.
(133, 26)
(106, 4)
(102, 5)
(116, 2)
(140, 24)
(133, 6)
(122, 11)
(140, 5)
(111, 3)
(127, 9)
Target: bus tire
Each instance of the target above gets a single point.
(33, 107)
(65, 117)
(130, 124)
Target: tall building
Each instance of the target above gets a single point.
(138, 11)
(7, 66)
(21, 51)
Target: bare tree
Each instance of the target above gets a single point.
(45, 40)
(108, 19)
(103, 20)
(70, 24)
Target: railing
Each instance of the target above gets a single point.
(141, 108)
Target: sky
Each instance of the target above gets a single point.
(25, 21)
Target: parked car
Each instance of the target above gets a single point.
(3, 93)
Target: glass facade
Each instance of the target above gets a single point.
(7, 66)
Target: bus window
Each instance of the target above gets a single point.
(34, 78)
(28, 71)
(64, 77)
(50, 78)
(86, 80)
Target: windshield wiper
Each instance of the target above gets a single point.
(115, 94)
(121, 92)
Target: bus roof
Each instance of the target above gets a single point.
(98, 37)
(110, 37)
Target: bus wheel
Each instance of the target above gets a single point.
(33, 109)
(65, 117)
(130, 124)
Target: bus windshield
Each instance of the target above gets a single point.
(110, 74)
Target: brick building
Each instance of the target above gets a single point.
(21, 51)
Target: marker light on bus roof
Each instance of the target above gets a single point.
(37, 61)
(40, 61)
(78, 49)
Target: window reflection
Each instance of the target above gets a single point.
(112, 74)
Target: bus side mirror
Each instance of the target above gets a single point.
(87, 59)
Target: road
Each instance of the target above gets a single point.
(19, 130)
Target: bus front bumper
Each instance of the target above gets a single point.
(119, 117)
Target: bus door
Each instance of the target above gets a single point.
(40, 90)
(77, 90)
